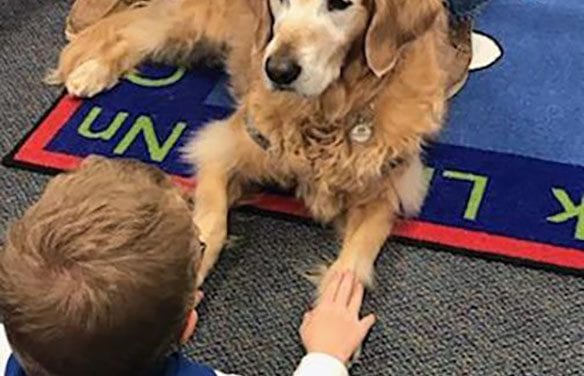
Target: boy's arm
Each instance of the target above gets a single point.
(314, 364)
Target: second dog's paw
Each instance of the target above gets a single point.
(90, 78)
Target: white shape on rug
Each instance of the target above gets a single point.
(485, 51)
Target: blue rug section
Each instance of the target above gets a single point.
(531, 102)
(506, 195)
(161, 107)
(510, 162)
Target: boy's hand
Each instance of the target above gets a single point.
(333, 326)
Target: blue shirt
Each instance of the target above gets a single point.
(176, 365)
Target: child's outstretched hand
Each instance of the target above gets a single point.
(333, 327)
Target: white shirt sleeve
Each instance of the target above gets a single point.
(315, 364)
(4, 350)
(219, 373)
(318, 364)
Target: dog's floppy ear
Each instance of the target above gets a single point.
(261, 11)
(393, 24)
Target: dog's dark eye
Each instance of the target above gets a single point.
(338, 4)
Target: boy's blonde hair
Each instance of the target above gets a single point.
(98, 276)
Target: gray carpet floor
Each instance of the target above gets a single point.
(439, 313)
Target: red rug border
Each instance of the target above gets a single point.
(30, 154)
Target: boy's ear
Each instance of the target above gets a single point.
(190, 326)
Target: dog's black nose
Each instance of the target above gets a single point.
(282, 70)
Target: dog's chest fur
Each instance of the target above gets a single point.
(329, 162)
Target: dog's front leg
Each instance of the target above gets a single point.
(366, 229)
(164, 30)
(214, 151)
(211, 207)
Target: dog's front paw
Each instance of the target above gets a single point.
(90, 78)
(362, 270)
(204, 270)
(214, 246)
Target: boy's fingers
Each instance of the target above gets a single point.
(331, 288)
(356, 298)
(345, 289)
(366, 323)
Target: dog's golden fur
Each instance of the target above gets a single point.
(390, 69)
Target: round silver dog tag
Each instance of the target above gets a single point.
(361, 133)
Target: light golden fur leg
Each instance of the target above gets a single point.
(214, 152)
(211, 151)
(211, 207)
(367, 228)
(101, 54)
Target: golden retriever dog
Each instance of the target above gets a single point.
(335, 99)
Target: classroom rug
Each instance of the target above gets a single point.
(506, 177)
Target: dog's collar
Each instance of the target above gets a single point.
(361, 132)
(254, 133)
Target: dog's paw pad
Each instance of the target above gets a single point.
(89, 79)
